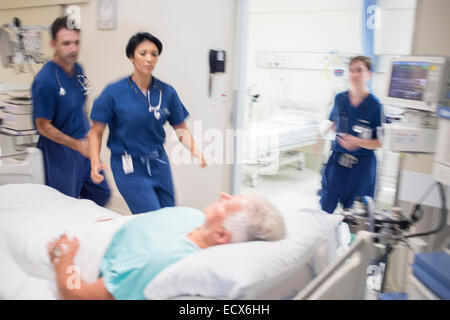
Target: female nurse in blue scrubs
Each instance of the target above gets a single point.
(135, 109)
(351, 169)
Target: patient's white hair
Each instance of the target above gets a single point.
(258, 220)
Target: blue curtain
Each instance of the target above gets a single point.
(368, 30)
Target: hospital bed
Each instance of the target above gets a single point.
(272, 143)
(304, 265)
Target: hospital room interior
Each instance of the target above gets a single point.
(259, 79)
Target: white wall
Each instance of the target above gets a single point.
(396, 28)
(318, 26)
(187, 29)
(298, 26)
(432, 32)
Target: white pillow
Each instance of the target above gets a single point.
(241, 270)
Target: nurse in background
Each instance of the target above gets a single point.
(59, 94)
(135, 108)
(351, 169)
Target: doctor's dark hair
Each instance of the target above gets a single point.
(137, 39)
(63, 22)
(366, 60)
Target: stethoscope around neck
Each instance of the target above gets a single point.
(81, 78)
(151, 108)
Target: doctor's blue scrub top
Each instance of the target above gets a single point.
(65, 169)
(124, 107)
(66, 112)
(146, 245)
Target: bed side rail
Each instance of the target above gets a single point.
(344, 279)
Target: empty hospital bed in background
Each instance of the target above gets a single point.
(272, 143)
(31, 215)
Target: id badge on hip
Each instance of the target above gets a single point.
(127, 163)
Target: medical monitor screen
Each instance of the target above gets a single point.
(408, 80)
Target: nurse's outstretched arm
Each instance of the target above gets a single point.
(186, 139)
(95, 143)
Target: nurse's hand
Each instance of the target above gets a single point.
(201, 158)
(349, 142)
(82, 146)
(96, 176)
(203, 163)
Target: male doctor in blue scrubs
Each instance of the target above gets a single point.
(59, 93)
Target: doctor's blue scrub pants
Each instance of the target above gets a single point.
(149, 187)
(69, 172)
(343, 184)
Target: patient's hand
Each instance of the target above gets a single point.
(62, 251)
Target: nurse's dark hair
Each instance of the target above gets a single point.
(63, 22)
(137, 39)
(366, 60)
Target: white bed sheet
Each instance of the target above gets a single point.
(31, 215)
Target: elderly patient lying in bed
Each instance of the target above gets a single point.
(150, 242)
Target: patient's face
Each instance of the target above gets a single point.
(222, 208)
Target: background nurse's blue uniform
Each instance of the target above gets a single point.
(65, 169)
(340, 183)
(135, 130)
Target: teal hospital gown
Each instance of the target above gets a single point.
(146, 245)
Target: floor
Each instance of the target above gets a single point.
(293, 189)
